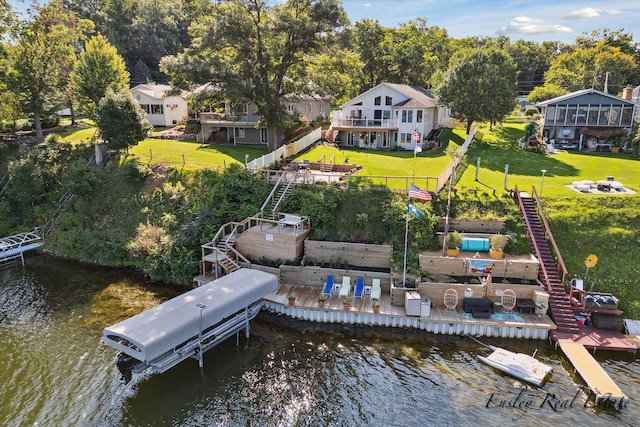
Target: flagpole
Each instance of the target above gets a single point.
(406, 235)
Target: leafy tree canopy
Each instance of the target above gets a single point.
(479, 85)
(99, 70)
(543, 93)
(257, 52)
(121, 121)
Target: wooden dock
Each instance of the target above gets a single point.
(440, 321)
(605, 392)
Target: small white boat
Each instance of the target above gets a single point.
(522, 366)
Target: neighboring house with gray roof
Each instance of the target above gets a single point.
(387, 116)
(588, 118)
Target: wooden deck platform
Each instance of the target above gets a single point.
(598, 339)
(440, 320)
(605, 392)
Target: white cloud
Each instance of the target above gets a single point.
(584, 13)
(526, 25)
(590, 12)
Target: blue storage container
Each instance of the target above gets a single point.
(475, 244)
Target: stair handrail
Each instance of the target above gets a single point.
(516, 194)
(562, 269)
(321, 159)
(273, 191)
(332, 160)
(284, 193)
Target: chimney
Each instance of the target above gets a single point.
(627, 92)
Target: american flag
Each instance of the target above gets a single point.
(416, 136)
(416, 193)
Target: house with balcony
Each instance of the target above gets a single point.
(388, 116)
(160, 108)
(588, 118)
(237, 123)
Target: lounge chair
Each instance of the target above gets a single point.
(345, 289)
(328, 286)
(359, 288)
(375, 289)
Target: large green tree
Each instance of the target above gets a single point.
(594, 67)
(43, 45)
(99, 70)
(479, 85)
(257, 50)
(121, 121)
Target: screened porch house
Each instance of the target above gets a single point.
(588, 119)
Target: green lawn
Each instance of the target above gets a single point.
(495, 149)
(499, 148)
(192, 155)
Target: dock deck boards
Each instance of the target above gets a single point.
(598, 381)
(307, 296)
(599, 339)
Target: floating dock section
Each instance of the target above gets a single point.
(190, 324)
(605, 392)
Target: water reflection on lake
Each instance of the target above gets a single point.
(55, 370)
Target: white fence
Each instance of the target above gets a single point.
(444, 177)
(288, 150)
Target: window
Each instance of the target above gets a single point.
(550, 114)
(405, 137)
(627, 116)
(562, 114)
(419, 116)
(603, 118)
(386, 114)
(239, 132)
(582, 115)
(592, 117)
(388, 101)
(614, 115)
(264, 135)
(407, 116)
(571, 114)
(377, 100)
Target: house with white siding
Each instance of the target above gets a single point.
(388, 116)
(161, 109)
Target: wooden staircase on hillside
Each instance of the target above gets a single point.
(559, 303)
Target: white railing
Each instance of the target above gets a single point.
(364, 122)
(288, 150)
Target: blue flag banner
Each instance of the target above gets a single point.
(413, 210)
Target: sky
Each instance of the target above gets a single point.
(540, 20)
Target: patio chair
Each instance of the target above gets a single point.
(508, 300)
(345, 289)
(451, 300)
(375, 289)
(328, 286)
(357, 293)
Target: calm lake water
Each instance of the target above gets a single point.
(56, 372)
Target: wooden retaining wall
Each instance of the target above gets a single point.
(472, 225)
(360, 254)
(317, 276)
(524, 267)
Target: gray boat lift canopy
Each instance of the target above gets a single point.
(169, 326)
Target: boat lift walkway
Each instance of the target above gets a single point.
(14, 247)
(602, 387)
